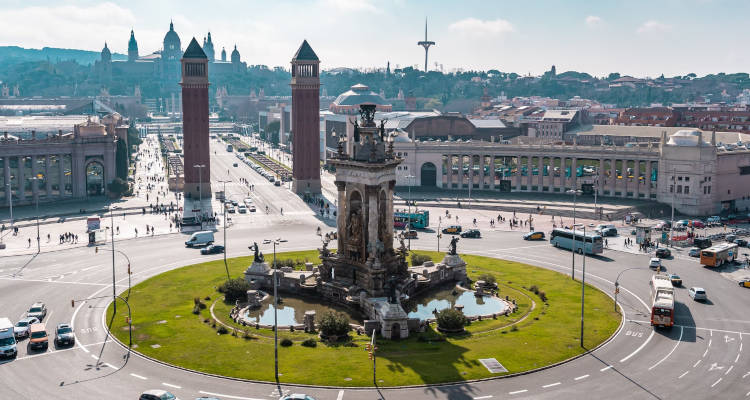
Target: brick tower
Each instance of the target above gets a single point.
(195, 122)
(306, 120)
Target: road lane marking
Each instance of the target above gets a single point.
(551, 385)
(716, 383)
(138, 376)
(743, 376)
(639, 348)
(171, 385)
(340, 395)
(683, 374)
(581, 377)
(228, 396)
(518, 391)
(475, 398)
(637, 321)
(696, 363)
(728, 370)
(605, 368)
(670, 353)
(737, 358)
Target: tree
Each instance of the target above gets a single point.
(234, 289)
(613, 76)
(121, 160)
(451, 320)
(333, 323)
(272, 132)
(118, 187)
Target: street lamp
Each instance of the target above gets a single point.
(439, 233)
(617, 284)
(114, 288)
(36, 198)
(583, 275)
(408, 225)
(225, 230)
(275, 308)
(574, 192)
(200, 189)
(10, 199)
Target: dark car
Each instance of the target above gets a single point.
(212, 249)
(702, 243)
(609, 232)
(472, 233)
(662, 252)
(412, 234)
(64, 335)
(740, 242)
(675, 279)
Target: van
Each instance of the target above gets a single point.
(7, 339)
(201, 238)
(38, 337)
(599, 228)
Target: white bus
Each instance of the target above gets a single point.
(566, 238)
(662, 301)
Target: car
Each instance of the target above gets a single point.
(277, 183)
(694, 252)
(655, 263)
(730, 238)
(452, 230)
(37, 310)
(698, 224)
(663, 252)
(8, 346)
(64, 335)
(608, 232)
(157, 394)
(744, 282)
(534, 236)
(296, 396)
(242, 209)
(212, 249)
(697, 293)
(21, 328)
(411, 234)
(230, 209)
(234, 165)
(682, 222)
(740, 242)
(235, 203)
(251, 208)
(675, 279)
(472, 233)
(702, 243)
(248, 201)
(38, 338)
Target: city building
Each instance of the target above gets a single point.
(71, 165)
(711, 170)
(195, 122)
(707, 117)
(305, 120)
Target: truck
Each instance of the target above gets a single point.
(200, 238)
(7, 339)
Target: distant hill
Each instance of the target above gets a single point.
(15, 54)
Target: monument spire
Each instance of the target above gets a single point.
(426, 44)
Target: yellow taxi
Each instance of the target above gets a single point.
(745, 282)
(534, 236)
(452, 230)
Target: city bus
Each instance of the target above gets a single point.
(419, 219)
(662, 301)
(718, 255)
(565, 238)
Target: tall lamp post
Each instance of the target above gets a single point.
(200, 189)
(10, 199)
(112, 230)
(224, 212)
(617, 284)
(574, 192)
(583, 277)
(36, 198)
(275, 308)
(408, 225)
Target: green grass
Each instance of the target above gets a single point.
(547, 335)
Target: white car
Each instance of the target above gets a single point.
(21, 328)
(697, 293)
(655, 263)
(248, 201)
(242, 209)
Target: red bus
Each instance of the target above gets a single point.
(662, 301)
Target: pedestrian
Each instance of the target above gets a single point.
(76, 239)
(29, 242)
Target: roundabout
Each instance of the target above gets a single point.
(165, 328)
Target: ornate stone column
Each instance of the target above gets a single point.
(574, 172)
(341, 216)
(649, 171)
(61, 174)
(492, 173)
(6, 174)
(563, 178)
(637, 178)
(599, 176)
(540, 163)
(21, 179)
(372, 216)
(613, 177)
(47, 180)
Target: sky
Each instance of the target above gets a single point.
(644, 38)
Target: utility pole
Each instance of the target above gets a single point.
(573, 263)
(371, 353)
(674, 193)
(36, 201)
(275, 309)
(408, 225)
(225, 229)
(583, 279)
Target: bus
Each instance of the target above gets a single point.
(230, 148)
(419, 219)
(662, 301)
(716, 256)
(565, 238)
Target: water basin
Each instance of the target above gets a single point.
(422, 306)
(291, 311)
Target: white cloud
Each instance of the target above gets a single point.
(652, 26)
(593, 21)
(67, 26)
(351, 5)
(478, 27)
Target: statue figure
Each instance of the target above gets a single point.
(391, 286)
(452, 246)
(258, 255)
(356, 131)
(324, 252)
(382, 130)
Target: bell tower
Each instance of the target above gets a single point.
(306, 120)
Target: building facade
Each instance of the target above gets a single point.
(195, 122)
(75, 165)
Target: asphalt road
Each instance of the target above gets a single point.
(701, 357)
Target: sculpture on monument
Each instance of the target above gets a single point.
(452, 246)
(258, 255)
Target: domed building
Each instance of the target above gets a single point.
(349, 101)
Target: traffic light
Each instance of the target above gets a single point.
(368, 347)
(127, 320)
(370, 355)
(72, 303)
(96, 249)
(129, 269)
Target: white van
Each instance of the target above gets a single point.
(599, 228)
(201, 238)
(7, 339)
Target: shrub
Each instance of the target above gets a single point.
(234, 289)
(246, 334)
(286, 342)
(487, 278)
(419, 259)
(310, 342)
(207, 298)
(334, 323)
(222, 330)
(197, 309)
(451, 319)
(542, 296)
(534, 288)
(513, 328)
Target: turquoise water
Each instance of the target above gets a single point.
(291, 311)
(423, 306)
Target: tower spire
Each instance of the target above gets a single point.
(426, 44)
